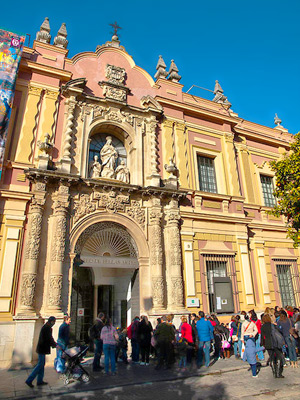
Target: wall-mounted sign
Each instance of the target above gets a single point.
(192, 302)
(80, 312)
(109, 262)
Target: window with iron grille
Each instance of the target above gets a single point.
(207, 176)
(267, 189)
(285, 283)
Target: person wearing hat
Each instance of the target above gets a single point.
(44, 345)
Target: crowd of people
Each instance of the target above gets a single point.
(200, 340)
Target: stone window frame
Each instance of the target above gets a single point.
(219, 166)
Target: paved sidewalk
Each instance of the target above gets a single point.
(229, 371)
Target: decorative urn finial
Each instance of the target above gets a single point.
(61, 39)
(161, 69)
(173, 72)
(43, 35)
(277, 120)
(219, 96)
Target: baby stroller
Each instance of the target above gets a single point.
(74, 370)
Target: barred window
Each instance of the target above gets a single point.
(267, 189)
(207, 176)
(285, 283)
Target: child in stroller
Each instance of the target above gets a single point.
(74, 370)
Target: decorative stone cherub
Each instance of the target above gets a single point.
(122, 172)
(95, 168)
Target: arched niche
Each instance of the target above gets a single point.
(123, 139)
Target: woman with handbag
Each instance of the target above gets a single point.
(287, 329)
(109, 336)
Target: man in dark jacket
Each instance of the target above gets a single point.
(95, 335)
(165, 336)
(44, 345)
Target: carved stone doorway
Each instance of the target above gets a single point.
(110, 253)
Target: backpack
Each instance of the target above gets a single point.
(277, 338)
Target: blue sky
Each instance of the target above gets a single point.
(251, 46)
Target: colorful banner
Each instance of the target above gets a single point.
(11, 46)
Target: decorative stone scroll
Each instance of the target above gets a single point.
(114, 93)
(55, 290)
(28, 290)
(69, 128)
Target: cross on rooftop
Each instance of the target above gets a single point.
(115, 28)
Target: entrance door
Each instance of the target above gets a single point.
(223, 297)
(106, 300)
(81, 305)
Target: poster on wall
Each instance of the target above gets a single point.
(11, 46)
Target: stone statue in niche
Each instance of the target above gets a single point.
(122, 172)
(95, 168)
(109, 157)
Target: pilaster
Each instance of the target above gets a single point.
(230, 161)
(48, 114)
(167, 144)
(151, 134)
(66, 160)
(29, 125)
(245, 170)
(181, 154)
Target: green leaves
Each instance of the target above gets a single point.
(287, 190)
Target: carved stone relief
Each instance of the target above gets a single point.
(113, 202)
(55, 290)
(83, 207)
(136, 213)
(32, 249)
(177, 291)
(158, 291)
(59, 239)
(28, 290)
(115, 75)
(114, 93)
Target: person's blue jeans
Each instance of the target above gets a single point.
(253, 369)
(98, 352)
(109, 351)
(135, 350)
(260, 354)
(182, 362)
(203, 347)
(235, 348)
(291, 344)
(240, 344)
(38, 370)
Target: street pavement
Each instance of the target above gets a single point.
(224, 380)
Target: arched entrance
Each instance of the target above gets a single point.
(107, 279)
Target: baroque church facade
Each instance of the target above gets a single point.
(126, 195)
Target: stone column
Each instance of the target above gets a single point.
(156, 257)
(68, 133)
(30, 121)
(173, 258)
(58, 248)
(32, 250)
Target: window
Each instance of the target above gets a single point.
(207, 177)
(285, 283)
(267, 188)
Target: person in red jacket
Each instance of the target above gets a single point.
(187, 333)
